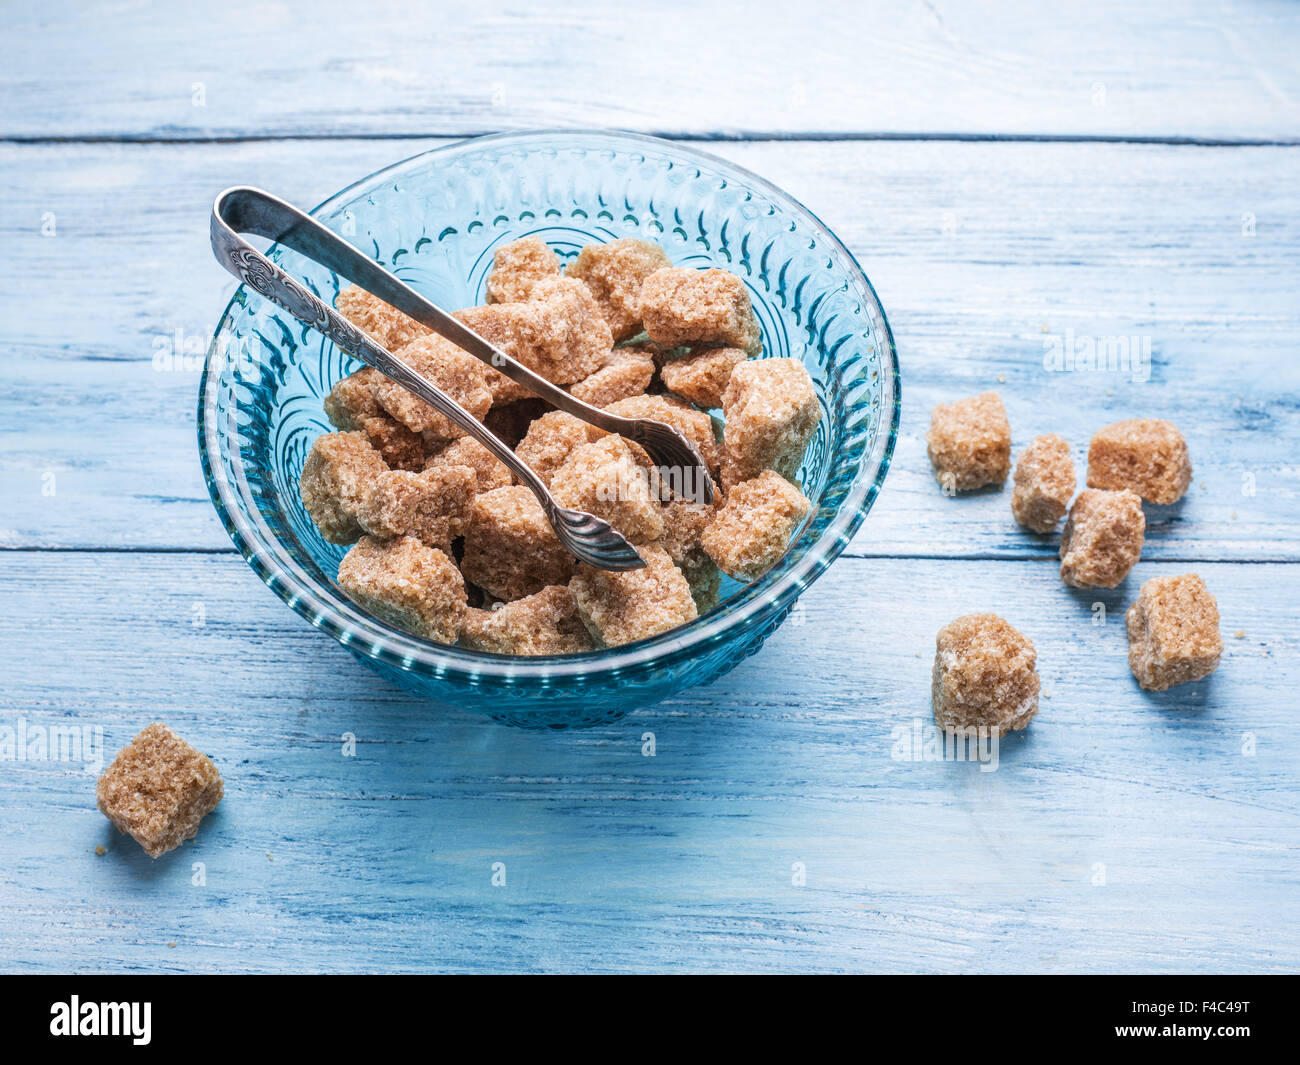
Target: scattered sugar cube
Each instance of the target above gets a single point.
(408, 584)
(1102, 539)
(771, 414)
(551, 439)
(353, 399)
(335, 480)
(545, 623)
(755, 525)
(400, 448)
(1146, 455)
(489, 471)
(430, 506)
(1173, 632)
(384, 324)
(510, 548)
(682, 305)
(158, 789)
(1044, 483)
(702, 375)
(969, 442)
(619, 607)
(693, 424)
(625, 373)
(605, 480)
(458, 374)
(517, 267)
(615, 273)
(984, 676)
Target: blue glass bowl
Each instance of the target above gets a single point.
(435, 220)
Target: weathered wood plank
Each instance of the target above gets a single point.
(982, 254)
(684, 860)
(1098, 68)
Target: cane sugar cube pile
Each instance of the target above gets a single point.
(983, 667)
(444, 545)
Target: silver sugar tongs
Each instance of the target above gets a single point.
(250, 210)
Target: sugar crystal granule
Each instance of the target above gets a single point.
(1102, 539)
(1173, 632)
(969, 443)
(408, 584)
(1044, 483)
(984, 676)
(1146, 455)
(158, 789)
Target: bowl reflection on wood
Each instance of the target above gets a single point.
(435, 221)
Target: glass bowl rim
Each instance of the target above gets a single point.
(362, 632)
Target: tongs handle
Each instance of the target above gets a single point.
(249, 210)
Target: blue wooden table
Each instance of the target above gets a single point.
(1009, 175)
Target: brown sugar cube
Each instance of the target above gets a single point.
(461, 376)
(702, 375)
(684, 525)
(517, 267)
(615, 273)
(545, 623)
(336, 478)
(771, 414)
(353, 399)
(551, 439)
(621, 606)
(1173, 632)
(693, 424)
(1102, 539)
(158, 789)
(755, 525)
(430, 506)
(681, 305)
(385, 324)
(510, 421)
(558, 332)
(408, 584)
(489, 471)
(626, 373)
(400, 448)
(510, 548)
(1044, 483)
(605, 480)
(969, 442)
(984, 676)
(1146, 455)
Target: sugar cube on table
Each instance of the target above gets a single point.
(1102, 539)
(158, 789)
(1173, 632)
(969, 442)
(1044, 483)
(985, 676)
(1146, 455)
